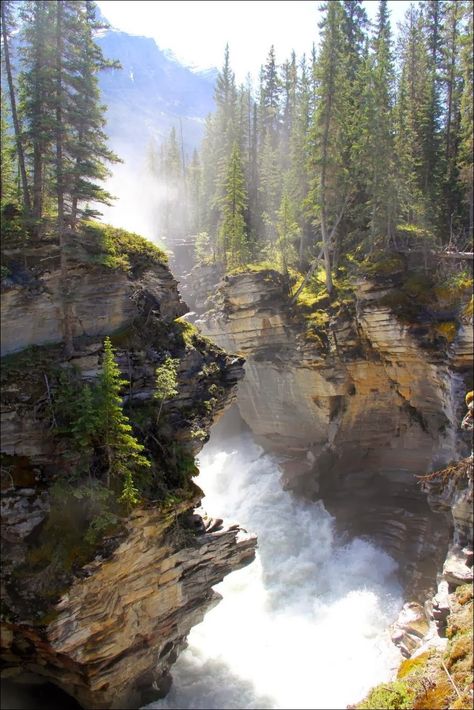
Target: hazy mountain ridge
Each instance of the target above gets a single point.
(150, 94)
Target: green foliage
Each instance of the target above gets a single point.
(166, 382)
(204, 249)
(166, 379)
(233, 241)
(389, 696)
(382, 263)
(92, 416)
(123, 453)
(80, 515)
(187, 331)
(116, 248)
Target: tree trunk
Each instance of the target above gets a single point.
(16, 123)
(65, 286)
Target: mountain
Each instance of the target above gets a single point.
(151, 93)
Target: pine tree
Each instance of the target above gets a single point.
(413, 118)
(122, 452)
(289, 83)
(233, 241)
(37, 99)
(87, 144)
(380, 147)
(453, 79)
(195, 193)
(288, 231)
(466, 146)
(299, 178)
(166, 382)
(8, 191)
(7, 28)
(329, 187)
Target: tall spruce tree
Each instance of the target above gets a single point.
(416, 200)
(380, 149)
(233, 239)
(8, 192)
(7, 28)
(466, 146)
(452, 31)
(122, 452)
(329, 186)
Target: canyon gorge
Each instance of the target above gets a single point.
(351, 409)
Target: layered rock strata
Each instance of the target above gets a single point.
(356, 408)
(105, 621)
(120, 626)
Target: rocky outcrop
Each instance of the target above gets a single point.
(104, 611)
(422, 628)
(104, 300)
(121, 625)
(450, 491)
(355, 400)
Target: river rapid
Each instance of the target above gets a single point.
(306, 624)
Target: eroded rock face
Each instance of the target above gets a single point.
(119, 628)
(356, 413)
(107, 630)
(104, 301)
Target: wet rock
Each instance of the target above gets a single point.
(410, 628)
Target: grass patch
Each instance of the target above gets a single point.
(423, 682)
(393, 696)
(119, 249)
(382, 264)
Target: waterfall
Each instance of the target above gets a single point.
(306, 624)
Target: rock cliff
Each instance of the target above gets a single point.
(97, 599)
(356, 399)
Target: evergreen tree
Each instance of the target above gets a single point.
(466, 147)
(122, 452)
(453, 79)
(329, 186)
(37, 98)
(288, 231)
(290, 89)
(195, 193)
(270, 92)
(416, 192)
(233, 241)
(299, 178)
(380, 147)
(8, 164)
(7, 29)
(87, 142)
(166, 382)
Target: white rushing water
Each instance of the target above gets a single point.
(305, 625)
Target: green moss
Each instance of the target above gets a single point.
(391, 696)
(254, 268)
(119, 249)
(424, 680)
(414, 235)
(187, 331)
(381, 263)
(454, 289)
(190, 335)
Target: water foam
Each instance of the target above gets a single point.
(305, 625)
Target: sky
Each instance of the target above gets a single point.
(196, 31)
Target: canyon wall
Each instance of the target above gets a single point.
(356, 407)
(101, 604)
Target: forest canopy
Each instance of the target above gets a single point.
(364, 145)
